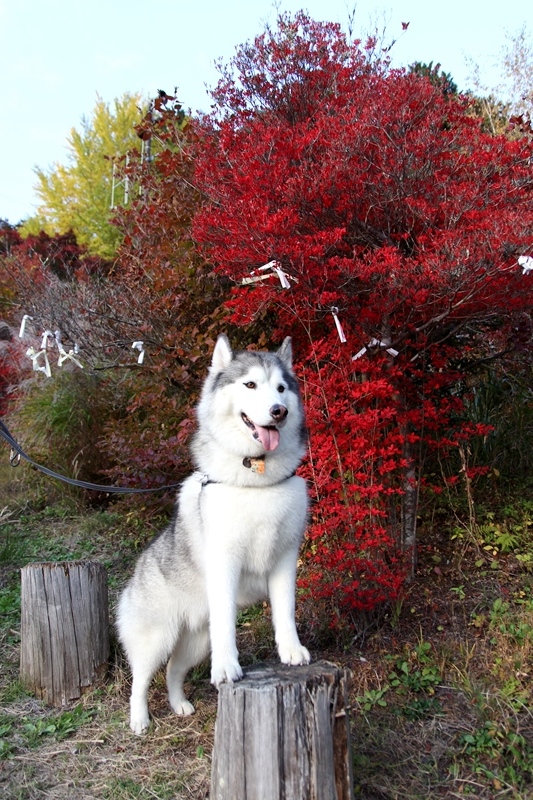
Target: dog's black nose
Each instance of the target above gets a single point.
(278, 412)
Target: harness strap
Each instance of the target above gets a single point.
(205, 480)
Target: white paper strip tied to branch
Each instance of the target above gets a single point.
(526, 262)
(375, 343)
(272, 268)
(25, 318)
(35, 356)
(335, 312)
(63, 355)
(140, 347)
(46, 336)
(70, 356)
(283, 277)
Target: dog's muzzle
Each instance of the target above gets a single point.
(268, 435)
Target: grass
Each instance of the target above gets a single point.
(453, 716)
(86, 750)
(441, 692)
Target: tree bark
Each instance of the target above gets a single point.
(64, 628)
(282, 733)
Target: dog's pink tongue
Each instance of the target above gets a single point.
(269, 437)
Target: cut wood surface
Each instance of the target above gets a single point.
(282, 733)
(64, 628)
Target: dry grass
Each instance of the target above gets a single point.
(103, 759)
(441, 692)
(459, 722)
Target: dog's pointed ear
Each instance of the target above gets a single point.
(285, 352)
(222, 354)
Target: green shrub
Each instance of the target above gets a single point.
(59, 421)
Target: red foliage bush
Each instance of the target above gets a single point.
(389, 211)
(9, 358)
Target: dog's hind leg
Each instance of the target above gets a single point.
(191, 648)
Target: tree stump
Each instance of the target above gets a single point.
(282, 733)
(64, 628)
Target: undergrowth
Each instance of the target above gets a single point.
(440, 694)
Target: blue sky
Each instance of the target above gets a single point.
(56, 56)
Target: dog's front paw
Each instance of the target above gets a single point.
(139, 718)
(139, 725)
(225, 672)
(294, 655)
(183, 708)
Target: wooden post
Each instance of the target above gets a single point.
(64, 628)
(282, 733)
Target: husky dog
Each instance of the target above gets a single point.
(239, 522)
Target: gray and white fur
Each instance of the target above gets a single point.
(240, 519)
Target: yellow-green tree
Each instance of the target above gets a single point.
(79, 196)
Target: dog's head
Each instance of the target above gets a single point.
(251, 398)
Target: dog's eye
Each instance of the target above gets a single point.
(250, 385)
(281, 388)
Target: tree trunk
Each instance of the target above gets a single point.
(282, 733)
(64, 628)
(409, 500)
